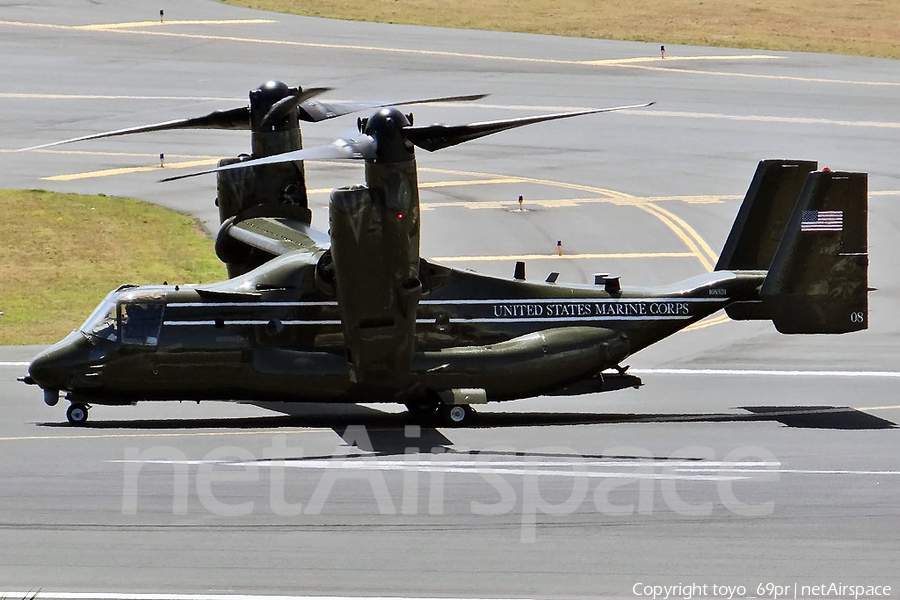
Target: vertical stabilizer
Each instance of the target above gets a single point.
(764, 213)
(818, 280)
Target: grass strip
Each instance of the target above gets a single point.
(862, 27)
(61, 253)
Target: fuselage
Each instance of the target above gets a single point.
(274, 334)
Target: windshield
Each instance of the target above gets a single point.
(102, 322)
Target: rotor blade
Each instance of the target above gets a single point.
(314, 110)
(312, 92)
(235, 118)
(280, 109)
(362, 147)
(435, 137)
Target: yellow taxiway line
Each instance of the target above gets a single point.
(487, 181)
(695, 237)
(696, 244)
(707, 322)
(127, 170)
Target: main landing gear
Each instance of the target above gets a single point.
(455, 415)
(77, 413)
(449, 415)
(422, 410)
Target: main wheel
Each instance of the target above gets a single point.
(455, 415)
(77, 414)
(423, 410)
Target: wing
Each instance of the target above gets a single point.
(279, 235)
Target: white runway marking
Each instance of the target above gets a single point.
(631, 469)
(769, 373)
(132, 596)
(37, 96)
(688, 470)
(816, 471)
(14, 364)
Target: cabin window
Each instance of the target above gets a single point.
(140, 322)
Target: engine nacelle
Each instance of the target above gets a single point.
(375, 250)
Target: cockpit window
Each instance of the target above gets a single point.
(141, 322)
(102, 322)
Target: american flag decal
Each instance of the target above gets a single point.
(822, 220)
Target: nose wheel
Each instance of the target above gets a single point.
(77, 414)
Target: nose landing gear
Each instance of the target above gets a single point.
(77, 413)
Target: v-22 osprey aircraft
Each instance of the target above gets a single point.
(360, 317)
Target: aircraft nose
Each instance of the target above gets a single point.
(52, 369)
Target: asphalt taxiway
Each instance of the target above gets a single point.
(747, 458)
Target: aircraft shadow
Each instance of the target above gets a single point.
(808, 417)
(390, 427)
(819, 417)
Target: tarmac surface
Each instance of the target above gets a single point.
(749, 459)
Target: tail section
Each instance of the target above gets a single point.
(764, 214)
(760, 225)
(818, 279)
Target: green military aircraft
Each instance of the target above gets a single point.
(360, 317)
